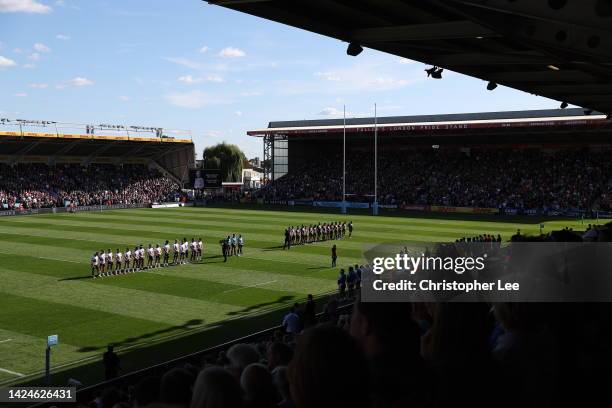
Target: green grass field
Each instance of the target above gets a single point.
(45, 286)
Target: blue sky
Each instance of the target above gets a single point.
(189, 65)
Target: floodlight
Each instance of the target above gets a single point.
(354, 49)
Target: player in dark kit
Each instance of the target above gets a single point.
(224, 248)
(350, 228)
(342, 284)
(287, 244)
(334, 255)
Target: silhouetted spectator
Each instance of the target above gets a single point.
(391, 341)
(256, 381)
(328, 370)
(279, 354)
(146, 391)
(240, 356)
(111, 362)
(216, 388)
(175, 388)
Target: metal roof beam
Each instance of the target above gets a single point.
(481, 59)
(423, 32)
(543, 76)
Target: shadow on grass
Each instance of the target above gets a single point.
(191, 324)
(249, 309)
(76, 278)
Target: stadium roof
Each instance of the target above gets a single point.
(548, 118)
(558, 49)
(21, 146)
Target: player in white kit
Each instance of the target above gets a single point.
(128, 259)
(176, 252)
(118, 261)
(103, 263)
(158, 252)
(95, 265)
(110, 260)
(200, 249)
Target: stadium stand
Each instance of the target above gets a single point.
(94, 165)
(549, 161)
(559, 180)
(33, 185)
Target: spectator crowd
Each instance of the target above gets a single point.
(500, 178)
(36, 185)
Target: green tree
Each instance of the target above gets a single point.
(228, 158)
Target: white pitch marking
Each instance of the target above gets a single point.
(5, 341)
(250, 286)
(4, 370)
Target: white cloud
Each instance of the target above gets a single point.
(238, 113)
(21, 95)
(331, 111)
(204, 49)
(328, 76)
(41, 47)
(231, 52)
(371, 74)
(193, 99)
(23, 6)
(188, 79)
(75, 82)
(184, 62)
(251, 93)
(80, 81)
(6, 62)
(215, 78)
(124, 98)
(29, 66)
(34, 56)
(60, 3)
(38, 86)
(63, 37)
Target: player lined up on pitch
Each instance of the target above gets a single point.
(231, 246)
(107, 263)
(316, 233)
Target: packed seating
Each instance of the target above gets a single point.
(522, 179)
(36, 185)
